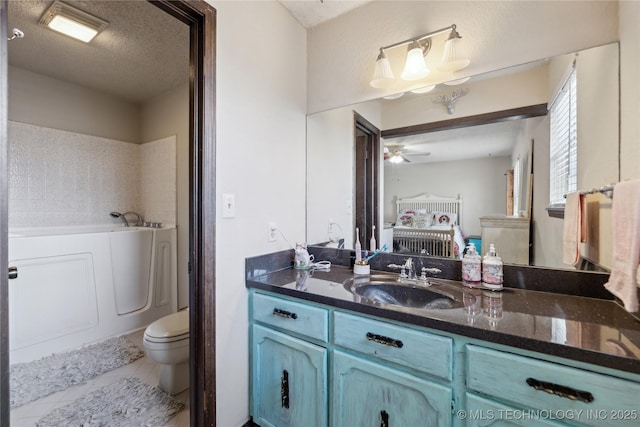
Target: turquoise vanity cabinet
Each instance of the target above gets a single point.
(551, 391)
(319, 365)
(381, 374)
(371, 387)
(289, 381)
(370, 394)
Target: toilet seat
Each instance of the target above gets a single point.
(171, 328)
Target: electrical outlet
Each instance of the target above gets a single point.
(271, 233)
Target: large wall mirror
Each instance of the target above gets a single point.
(472, 159)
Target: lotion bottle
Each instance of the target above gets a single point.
(492, 270)
(472, 267)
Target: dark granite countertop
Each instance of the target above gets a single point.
(579, 328)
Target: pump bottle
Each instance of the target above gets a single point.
(472, 267)
(492, 270)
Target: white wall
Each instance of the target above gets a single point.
(45, 101)
(630, 89)
(496, 34)
(330, 170)
(480, 182)
(260, 138)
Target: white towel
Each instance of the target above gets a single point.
(626, 243)
(574, 228)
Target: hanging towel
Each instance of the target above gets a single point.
(626, 243)
(574, 229)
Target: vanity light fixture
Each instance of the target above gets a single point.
(415, 67)
(73, 22)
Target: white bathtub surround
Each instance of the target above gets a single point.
(73, 286)
(39, 378)
(158, 192)
(63, 178)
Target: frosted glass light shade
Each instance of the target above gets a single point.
(453, 58)
(72, 28)
(415, 67)
(383, 75)
(71, 21)
(396, 158)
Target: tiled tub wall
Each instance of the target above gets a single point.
(63, 178)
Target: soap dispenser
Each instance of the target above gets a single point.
(492, 270)
(472, 267)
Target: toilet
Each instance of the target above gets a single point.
(166, 341)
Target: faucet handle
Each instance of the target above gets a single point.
(432, 270)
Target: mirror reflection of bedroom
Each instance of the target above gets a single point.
(489, 178)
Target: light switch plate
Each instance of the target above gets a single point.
(228, 205)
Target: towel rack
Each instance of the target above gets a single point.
(607, 190)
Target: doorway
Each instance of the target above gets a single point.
(201, 19)
(367, 165)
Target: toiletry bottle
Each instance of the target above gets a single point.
(358, 246)
(472, 267)
(372, 243)
(492, 270)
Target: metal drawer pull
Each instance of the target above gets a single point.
(284, 313)
(560, 390)
(380, 339)
(384, 419)
(13, 273)
(284, 389)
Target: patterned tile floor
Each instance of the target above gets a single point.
(143, 368)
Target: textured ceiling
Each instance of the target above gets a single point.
(313, 12)
(143, 51)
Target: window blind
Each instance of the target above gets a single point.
(563, 142)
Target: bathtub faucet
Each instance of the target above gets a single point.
(123, 217)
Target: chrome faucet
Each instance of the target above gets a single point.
(408, 272)
(123, 217)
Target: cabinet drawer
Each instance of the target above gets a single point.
(292, 316)
(591, 398)
(422, 351)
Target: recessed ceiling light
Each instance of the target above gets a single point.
(72, 21)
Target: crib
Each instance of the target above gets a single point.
(428, 225)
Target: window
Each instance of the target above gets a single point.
(563, 142)
(517, 183)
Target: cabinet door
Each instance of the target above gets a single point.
(288, 380)
(481, 412)
(369, 394)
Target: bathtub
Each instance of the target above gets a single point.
(78, 285)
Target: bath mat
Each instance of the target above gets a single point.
(127, 402)
(33, 380)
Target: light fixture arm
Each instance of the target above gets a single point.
(419, 38)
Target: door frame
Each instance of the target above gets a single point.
(4, 221)
(201, 18)
(367, 179)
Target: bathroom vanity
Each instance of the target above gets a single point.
(325, 351)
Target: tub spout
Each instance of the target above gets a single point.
(138, 218)
(123, 217)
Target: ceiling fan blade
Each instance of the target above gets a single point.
(404, 159)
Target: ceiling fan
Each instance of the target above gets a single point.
(398, 153)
